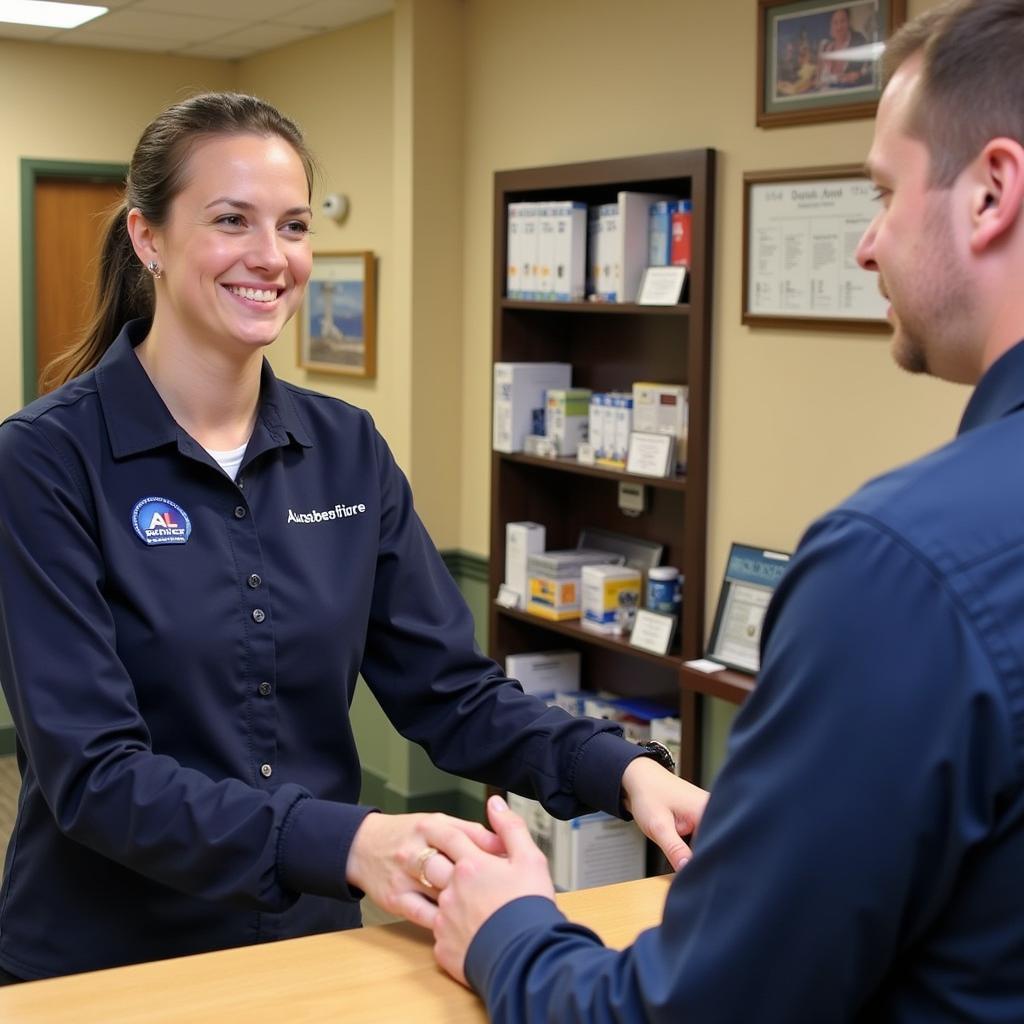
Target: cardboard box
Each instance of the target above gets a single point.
(521, 541)
(545, 673)
(520, 394)
(568, 415)
(610, 598)
(554, 582)
(595, 849)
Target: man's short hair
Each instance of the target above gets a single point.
(972, 82)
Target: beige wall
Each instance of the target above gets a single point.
(799, 419)
(73, 103)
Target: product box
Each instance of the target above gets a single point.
(609, 253)
(663, 409)
(610, 597)
(681, 226)
(659, 235)
(637, 717)
(513, 266)
(567, 420)
(554, 581)
(595, 424)
(528, 242)
(545, 673)
(595, 849)
(520, 392)
(569, 264)
(521, 541)
(545, 290)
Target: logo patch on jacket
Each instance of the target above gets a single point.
(160, 521)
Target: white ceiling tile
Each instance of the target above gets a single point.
(264, 36)
(171, 28)
(335, 13)
(244, 10)
(216, 51)
(112, 41)
(40, 33)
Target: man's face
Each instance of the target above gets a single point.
(912, 244)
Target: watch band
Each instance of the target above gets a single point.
(660, 753)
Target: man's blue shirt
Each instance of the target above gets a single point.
(861, 855)
(179, 652)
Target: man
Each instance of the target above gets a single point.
(861, 856)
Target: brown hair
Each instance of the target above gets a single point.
(972, 82)
(155, 176)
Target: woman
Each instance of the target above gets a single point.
(196, 562)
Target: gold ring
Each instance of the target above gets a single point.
(421, 865)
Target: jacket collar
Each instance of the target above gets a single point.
(137, 419)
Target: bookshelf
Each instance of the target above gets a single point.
(611, 345)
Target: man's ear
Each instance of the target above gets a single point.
(145, 239)
(997, 192)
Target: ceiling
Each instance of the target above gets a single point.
(223, 29)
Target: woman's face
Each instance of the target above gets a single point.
(235, 249)
(840, 25)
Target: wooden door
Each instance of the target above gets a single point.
(69, 217)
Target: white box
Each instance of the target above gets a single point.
(520, 391)
(545, 672)
(623, 405)
(514, 269)
(595, 849)
(663, 409)
(568, 416)
(529, 241)
(595, 425)
(545, 291)
(609, 254)
(521, 541)
(569, 269)
(632, 240)
(610, 596)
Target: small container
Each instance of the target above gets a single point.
(664, 589)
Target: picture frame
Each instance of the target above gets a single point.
(798, 81)
(800, 233)
(338, 319)
(750, 578)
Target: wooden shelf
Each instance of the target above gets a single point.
(569, 464)
(573, 629)
(600, 308)
(728, 684)
(610, 346)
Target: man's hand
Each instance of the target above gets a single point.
(390, 853)
(665, 807)
(482, 883)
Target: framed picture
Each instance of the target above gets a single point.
(818, 60)
(751, 576)
(801, 229)
(338, 321)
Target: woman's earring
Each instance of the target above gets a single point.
(154, 268)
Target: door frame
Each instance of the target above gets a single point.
(31, 171)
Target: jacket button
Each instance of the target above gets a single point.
(258, 615)
(255, 580)
(239, 511)
(265, 689)
(266, 771)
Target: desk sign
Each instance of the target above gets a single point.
(652, 631)
(508, 598)
(662, 286)
(651, 454)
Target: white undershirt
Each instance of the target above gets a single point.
(229, 461)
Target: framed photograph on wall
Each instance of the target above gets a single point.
(338, 320)
(801, 229)
(819, 60)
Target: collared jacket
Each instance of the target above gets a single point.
(861, 857)
(179, 652)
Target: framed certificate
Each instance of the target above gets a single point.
(801, 230)
(751, 576)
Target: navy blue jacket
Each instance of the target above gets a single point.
(862, 854)
(179, 652)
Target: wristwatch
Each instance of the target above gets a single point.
(660, 753)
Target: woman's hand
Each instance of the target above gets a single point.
(665, 807)
(390, 859)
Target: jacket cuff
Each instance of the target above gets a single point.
(313, 847)
(500, 931)
(597, 775)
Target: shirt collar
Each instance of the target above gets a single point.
(999, 392)
(137, 419)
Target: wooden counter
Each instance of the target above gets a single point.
(384, 974)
